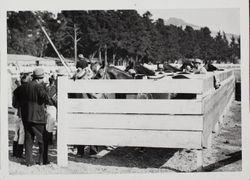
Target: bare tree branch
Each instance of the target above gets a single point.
(70, 35)
(78, 39)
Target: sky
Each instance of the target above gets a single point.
(227, 19)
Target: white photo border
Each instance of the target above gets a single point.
(129, 4)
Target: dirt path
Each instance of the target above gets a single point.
(224, 155)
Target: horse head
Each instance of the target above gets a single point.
(108, 72)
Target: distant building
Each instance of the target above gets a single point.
(27, 60)
(26, 63)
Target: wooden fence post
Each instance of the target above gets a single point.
(62, 150)
(199, 164)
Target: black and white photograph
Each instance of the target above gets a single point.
(124, 91)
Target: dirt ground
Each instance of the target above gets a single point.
(224, 155)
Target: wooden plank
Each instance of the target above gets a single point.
(209, 141)
(209, 101)
(208, 127)
(228, 66)
(208, 84)
(224, 74)
(237, 75)
(137, 106)
(144, 138)
(135, 86)
(199, 160)
(121, 121)
(62, 125)
(221, 100)
(217, 103)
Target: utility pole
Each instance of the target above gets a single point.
(39, 21)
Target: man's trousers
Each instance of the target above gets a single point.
(38, 131)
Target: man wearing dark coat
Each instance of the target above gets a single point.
(32, 98)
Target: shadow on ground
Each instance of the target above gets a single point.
(119, 157)
(131, 157)
(225, 155)
(233, 157)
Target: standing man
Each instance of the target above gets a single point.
(32, 98)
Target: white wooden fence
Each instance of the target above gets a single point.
(167, 123)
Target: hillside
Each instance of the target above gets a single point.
(180, 22)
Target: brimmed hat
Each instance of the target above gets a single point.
(198, 61)
(38, 73)
(80, 56)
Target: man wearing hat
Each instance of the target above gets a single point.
(19, 129)
(32, 98)
(83, 70)
(82, 58)
(198, 67)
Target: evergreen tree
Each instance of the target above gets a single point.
(189, 43)
(153, 50)
(206, 43)
(233, 50)
(24, 33)
(238, 48)
(121, 34)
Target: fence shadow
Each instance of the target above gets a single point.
(119, 157)
(233, 157)
(131, 157)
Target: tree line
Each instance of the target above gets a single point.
(120, 34)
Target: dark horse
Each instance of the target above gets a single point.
(112, 72)
(139, 70)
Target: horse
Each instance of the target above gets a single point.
(169, 68)
(112, 72)
(210, 67)
(139, 70)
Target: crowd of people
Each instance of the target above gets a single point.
(36, 103)
(36, 109)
